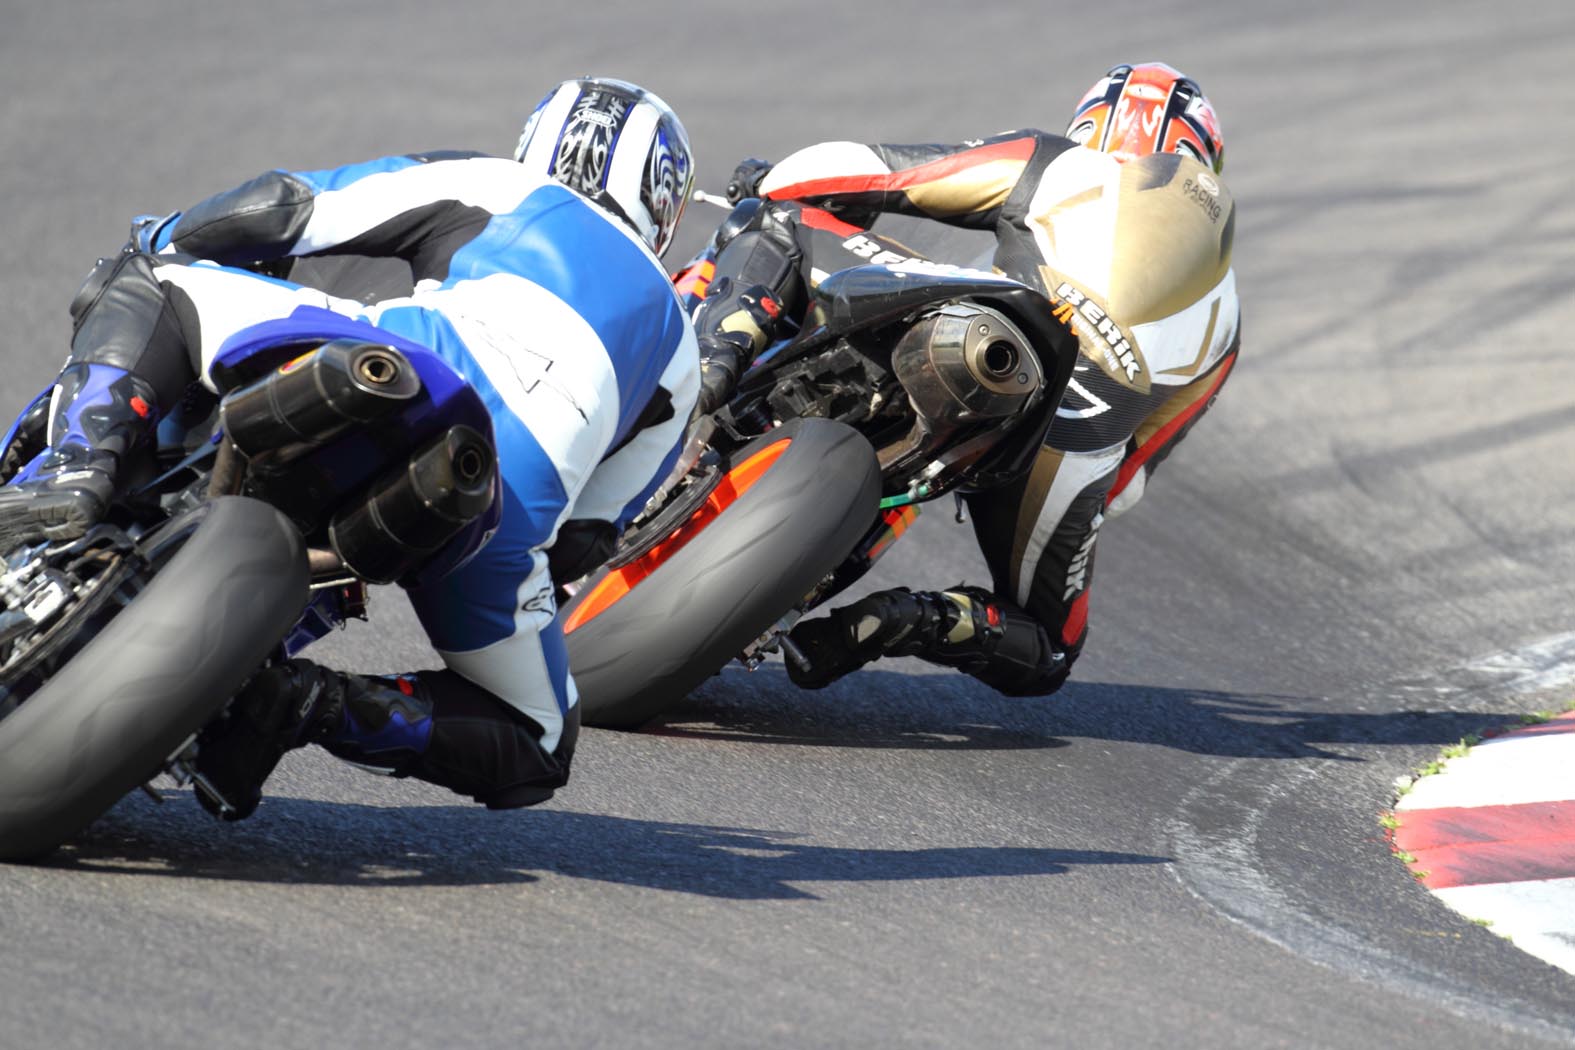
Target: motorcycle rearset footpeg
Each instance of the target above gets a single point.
(182, 768)
(792, 653)
(776, 636)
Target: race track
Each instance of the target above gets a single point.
(1181, 849)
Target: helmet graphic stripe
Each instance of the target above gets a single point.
(542, 149)
(1133, 111)
(628, 166)
(585, 148)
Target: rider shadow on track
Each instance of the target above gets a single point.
(292, 840)
(944, 710)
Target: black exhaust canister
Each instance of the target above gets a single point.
(408, 515)
(315, 398)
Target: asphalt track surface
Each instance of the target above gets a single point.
(1181, 849)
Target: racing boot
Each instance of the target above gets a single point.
(294, 704)
(758, 285)
(966, 627)
(433, 725)
(738, 324)
(98, 412)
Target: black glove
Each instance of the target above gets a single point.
(31, 438)
(751, 171)
(145, 230)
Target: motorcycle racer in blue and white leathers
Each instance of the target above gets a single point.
(538, 280)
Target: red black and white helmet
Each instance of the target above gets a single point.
(1133, 111)
(610, 139)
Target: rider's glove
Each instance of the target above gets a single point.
(31, 438)
(751, 171)
(145, 230)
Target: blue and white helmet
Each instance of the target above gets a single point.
(612, 139)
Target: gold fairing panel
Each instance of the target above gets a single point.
(1175, 221)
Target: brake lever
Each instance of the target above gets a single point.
(711, 198)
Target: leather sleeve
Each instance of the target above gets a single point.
(964, 184)
(408, 213)
(256, 221)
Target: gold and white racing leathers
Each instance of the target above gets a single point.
(1136, 257)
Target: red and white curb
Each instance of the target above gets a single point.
(1493, 835)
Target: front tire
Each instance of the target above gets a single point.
(155, 674)
(642, 637)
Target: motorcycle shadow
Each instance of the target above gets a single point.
(305, 841)
(931, 709)
(939, 709)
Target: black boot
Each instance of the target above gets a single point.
(898, 622)
(733, 326)
(435, 726)
(99, 412)
(757, 289)
(383, 723)
(281, 708)
(30, 438)
(966, 627)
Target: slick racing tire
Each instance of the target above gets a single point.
(108, 719)
(789, 508)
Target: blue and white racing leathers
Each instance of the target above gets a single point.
(546, 302)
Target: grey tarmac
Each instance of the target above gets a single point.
(1181, 849)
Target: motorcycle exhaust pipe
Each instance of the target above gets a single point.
(315, 398)
(410, 514)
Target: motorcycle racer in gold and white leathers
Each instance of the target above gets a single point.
(1126, 225)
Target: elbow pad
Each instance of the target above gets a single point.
(259, 220)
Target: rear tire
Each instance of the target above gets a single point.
(699, 607)
(153, 676)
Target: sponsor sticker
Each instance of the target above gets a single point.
(872, 251)
(1103, 339)
(1204, 191)
(1077, 570)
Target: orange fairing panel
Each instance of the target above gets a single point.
(619, 582)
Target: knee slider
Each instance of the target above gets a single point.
(130, 274)
(483, 747)
(742, 217)
(1024, 662)
(764, 251)
(123, 317)
(1000, 645)
(92, 288)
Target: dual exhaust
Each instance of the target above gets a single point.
(390, 528)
